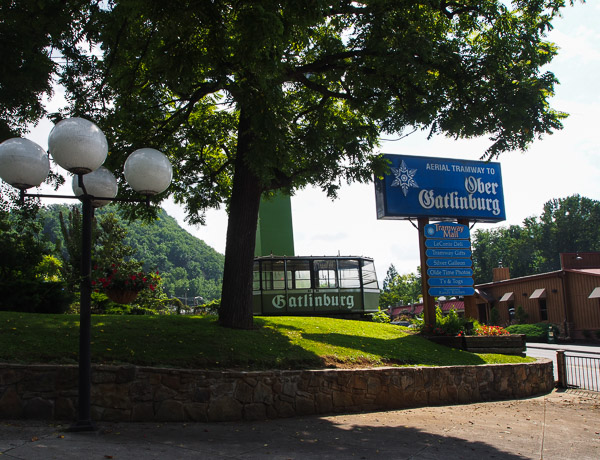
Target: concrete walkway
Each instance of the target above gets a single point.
(561, 425)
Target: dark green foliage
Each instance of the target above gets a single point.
(23, 286)
(31, 32)
(183, 261)
(22, 247)
(34, 296)
(209, 308)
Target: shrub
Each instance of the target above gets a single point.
(209, 308)
(34, 296)
(533, 332)
(380, 316)
(450, 325)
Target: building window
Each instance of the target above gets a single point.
(543, 310)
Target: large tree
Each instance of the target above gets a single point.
(570, 224)
(251, 97)
(400, 288)
(515, 247)
(34, 34)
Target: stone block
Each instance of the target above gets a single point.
(11, 405)
(305, 405)
(170, 411)
(125, 374)
(263, 393)
(284, 409)
(111, 395)
(143, 412)
(201, 395)
(39, 408)
(244, 393)
(224, 409)
(342, 399)
(255, 412)
(197, 412)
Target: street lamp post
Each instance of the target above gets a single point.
(80, 147)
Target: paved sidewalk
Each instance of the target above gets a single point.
(561, 425)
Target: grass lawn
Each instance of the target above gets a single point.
(199, 342)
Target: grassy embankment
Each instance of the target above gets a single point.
(199, 342)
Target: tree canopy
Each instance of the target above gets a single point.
(400, 289)
(250, 97)
(570, 224)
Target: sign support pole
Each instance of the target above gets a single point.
(470, 305)
(428, 301)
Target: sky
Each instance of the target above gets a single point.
(556, 166)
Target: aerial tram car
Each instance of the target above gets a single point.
(344, 286)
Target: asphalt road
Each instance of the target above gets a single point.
(548, 350)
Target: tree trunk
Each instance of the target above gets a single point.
(236, 296)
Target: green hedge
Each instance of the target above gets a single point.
(537, 332)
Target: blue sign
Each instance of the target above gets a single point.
(449, 263)
(447, 244)
(449, 272)
(447, 230)
(450, 281)
(455, 253)
(442, 188)
(454, 291)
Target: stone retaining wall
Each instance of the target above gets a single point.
(140, 394)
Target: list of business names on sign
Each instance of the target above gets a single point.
(449, 264)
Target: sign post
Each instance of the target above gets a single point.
(470, 305)
(450, 190)
(428, 300)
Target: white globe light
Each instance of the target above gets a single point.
(77, 145)
(101, 183)
(23, 163)
(148, 171)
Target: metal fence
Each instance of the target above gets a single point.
(578, 370)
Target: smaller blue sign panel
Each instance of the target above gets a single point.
(454, 253)
(449, 263)
(451, 291)
(450, 281)
(447, 230)
(447, 244)
(449, 272)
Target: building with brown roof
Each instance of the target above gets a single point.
(569, 297)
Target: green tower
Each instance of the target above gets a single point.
(274, 234)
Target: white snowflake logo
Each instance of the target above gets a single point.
(405, 178)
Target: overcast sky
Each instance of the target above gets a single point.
(557, 166)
